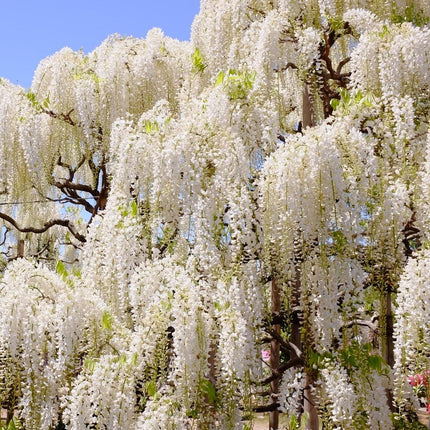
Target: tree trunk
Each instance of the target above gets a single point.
(308, 117)
(275, 354)
(20, 249)
(9, 416)
(308, 114)
(387, 339)
(309, 405)
(308, 120)
(387, 329)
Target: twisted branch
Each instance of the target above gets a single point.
(46, 226)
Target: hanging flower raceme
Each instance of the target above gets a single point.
(203, 189)
(412, 327)
(48, 327)
(392, 62)
(103, 395)
(309, 188)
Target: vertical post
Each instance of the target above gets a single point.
(308, 114)
(309, 405)
(275, 354)
(308, 117)
(387, 329)
(296, 337)
(9, 416)
(20, 249)
(212, 372)
(387, 333)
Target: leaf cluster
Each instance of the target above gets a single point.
(199, 63)
(14, 424)
(413, 15)
(236, 83)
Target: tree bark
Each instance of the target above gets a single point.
(387, 329)
(387, 337)
(308, 117)
(309, 405)
(46, 226)
(9, 416)
(308, 114)
(275, 350)
(20, 249)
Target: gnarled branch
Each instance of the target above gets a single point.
(363, 323)
(277, 373)
(46, 226)
(286, 345)
(63, 116)
(266, 408)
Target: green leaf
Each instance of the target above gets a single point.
(209, 390)
(368, 100)
(334, 103)
(294, 422)
(134, 208)
(237, 84)
(107, 321)
(33, 100)
(90, 364)
(151, 388)
(61, 269)
(358, 96)
(339, 241)
(314, 358)
(192, 413)
(348, 358)
(198, 61)
(134, 359)
(12, 425)
(77, 272)
(122, 359)
(220, 78)
(385, 31)
(336, 22)
(46, 102)
(151, 127)
(375, 362)
(346, 97)
(411, 14)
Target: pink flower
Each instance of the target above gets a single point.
(265, 354)
(412, 381)
(419, 379)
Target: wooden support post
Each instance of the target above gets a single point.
(275, 351)
(20, 249)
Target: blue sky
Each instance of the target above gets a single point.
(30, 30)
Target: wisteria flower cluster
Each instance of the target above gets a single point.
(266, 183)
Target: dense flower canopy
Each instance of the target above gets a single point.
(186, 205)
